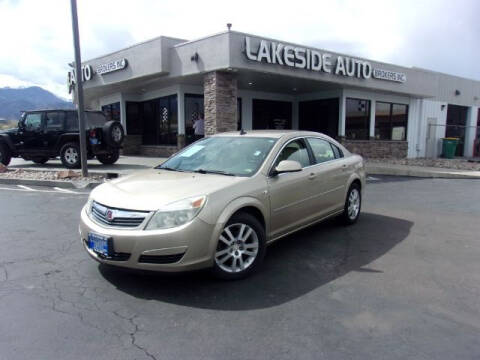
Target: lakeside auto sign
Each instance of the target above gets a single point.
(310, 59)
(88, 72)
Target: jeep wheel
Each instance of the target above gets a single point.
(40, 160)
(108, 159)
(70, 155)
(113, 133)
(5, 155)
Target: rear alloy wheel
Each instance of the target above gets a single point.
(353, 205)
(5, 155)
(40, 160)
(108, 159)
(240, 249)
(70, 155)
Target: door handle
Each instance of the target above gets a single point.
(311, 176)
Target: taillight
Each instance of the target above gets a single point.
(93, 133)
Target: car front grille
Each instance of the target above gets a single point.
(117, 217)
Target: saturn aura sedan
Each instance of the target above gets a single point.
(219, 202)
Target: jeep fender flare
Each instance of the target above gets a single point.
(5, 139)
(64, 138)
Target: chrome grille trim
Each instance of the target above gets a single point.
(120, 218)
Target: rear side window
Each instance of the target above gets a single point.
(338, 153)
(54, 120)
(95, 119)
(322, 151)
(71, 121)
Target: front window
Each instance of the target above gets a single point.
(238, 156)
(33, 122)
(294, 151)
(391, 121)
(357, 119)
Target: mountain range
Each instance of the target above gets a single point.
(15, 100)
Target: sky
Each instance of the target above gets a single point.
(36, 41)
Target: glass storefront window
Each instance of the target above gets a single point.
(357, 119)
(193, 113)
(391, 121)
(271, 114)
(112, 111)
(160, 121)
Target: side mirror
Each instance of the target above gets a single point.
(287, 166)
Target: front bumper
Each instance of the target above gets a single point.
(188, 247)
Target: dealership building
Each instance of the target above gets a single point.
(234, 81)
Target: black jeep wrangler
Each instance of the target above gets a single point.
(45, 134)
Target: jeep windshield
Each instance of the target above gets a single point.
(224, 155)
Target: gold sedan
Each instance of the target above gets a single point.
(219, 202)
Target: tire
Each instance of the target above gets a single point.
(40, 160)
(70, 155)
(5, 154)
(113, 133)
(108, 159)
(231, 251)
(353, 205)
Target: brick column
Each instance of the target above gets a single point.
(220, 100)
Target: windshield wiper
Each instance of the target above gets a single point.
(219, 172)
(168, 168)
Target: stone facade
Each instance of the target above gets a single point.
(159, 151)
(131, 145)
(377, 149)
(220, 100)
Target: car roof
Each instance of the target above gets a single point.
(270, 133)
(43, 110)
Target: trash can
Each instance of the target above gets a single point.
(449, 146)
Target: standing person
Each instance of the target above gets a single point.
(198, 127)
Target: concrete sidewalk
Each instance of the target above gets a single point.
(129, 164)
(124, 165)
(419, 171)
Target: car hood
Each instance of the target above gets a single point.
(151, 189)
(9, 131)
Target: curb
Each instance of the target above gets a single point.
(51, 183)
(374, 170)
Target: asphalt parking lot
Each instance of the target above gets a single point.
(402, 283)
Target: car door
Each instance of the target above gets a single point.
(32, 136)
(331, 176)
(54, 127)
(290, 193)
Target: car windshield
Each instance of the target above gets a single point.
(235, 155)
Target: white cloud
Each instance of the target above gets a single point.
(437, 34)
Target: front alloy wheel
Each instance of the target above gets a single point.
(240, 248)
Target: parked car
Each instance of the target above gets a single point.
(221, 200)
(45, 134)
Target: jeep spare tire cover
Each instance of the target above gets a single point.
(113, 133)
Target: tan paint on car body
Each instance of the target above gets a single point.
(151, 189)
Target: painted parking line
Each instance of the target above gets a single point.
(27, 189)
(371, 178)
(65, 190)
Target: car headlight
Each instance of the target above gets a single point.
(177, 213)
(88, 206)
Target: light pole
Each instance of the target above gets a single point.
(79, 89)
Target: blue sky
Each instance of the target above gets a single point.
(433, 34)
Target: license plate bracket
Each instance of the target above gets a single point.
(100, 244)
